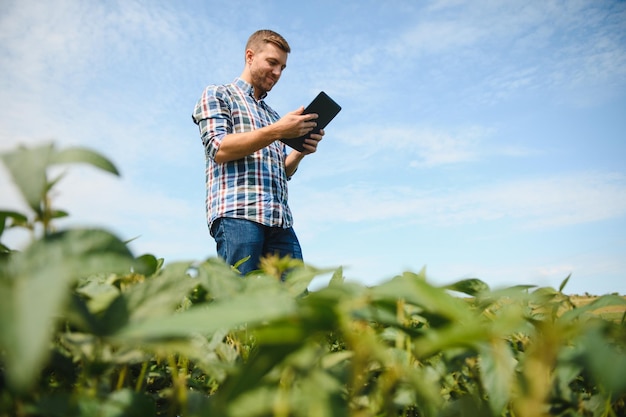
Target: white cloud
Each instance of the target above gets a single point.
(554, 201)
(52, 40)
(427, 147)
(509, 48)
(90, 74)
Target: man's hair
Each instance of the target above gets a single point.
(263, 36)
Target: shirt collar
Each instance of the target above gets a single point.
(247, 87)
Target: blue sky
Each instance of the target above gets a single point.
(477, 138)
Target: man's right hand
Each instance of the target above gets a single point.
(295, 124)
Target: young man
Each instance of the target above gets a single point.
(247, 166)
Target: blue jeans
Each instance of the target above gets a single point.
(239, 238)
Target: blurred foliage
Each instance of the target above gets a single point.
(89, 329)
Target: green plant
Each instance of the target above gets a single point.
(89, 329)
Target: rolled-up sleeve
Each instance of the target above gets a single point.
(212, 114)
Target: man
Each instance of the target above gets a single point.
(247, 166)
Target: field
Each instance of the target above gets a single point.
(87, 328)
(612, 313)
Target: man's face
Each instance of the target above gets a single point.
(266, 66)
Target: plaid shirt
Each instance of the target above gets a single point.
(254, 187)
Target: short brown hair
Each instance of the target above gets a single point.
(264, 36)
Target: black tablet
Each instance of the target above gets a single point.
(326, 109)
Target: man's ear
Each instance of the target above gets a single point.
(249, 56)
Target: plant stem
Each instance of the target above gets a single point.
(141, 377)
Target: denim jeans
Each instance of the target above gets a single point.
(239, 238)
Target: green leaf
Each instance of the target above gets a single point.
(283, 332)
(298, 279)
(58, 214)
(37, 286)
(98, 293)
(83, 155)
(605, 361)
(159, 295)
(466, 334)
(248, 378)
(415, 290)
(337, 277)
(4, 250)
(564, 283)
(153, 298)
(218, 278)
(81, 317)
(28, 169)
(117, 404)
(128, 404)
(472, 286)
(497, 373)
(18, 219)
(248, 308)
(147, 264)
(240, 262)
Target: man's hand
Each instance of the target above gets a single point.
(298, 124)
(295, 124)
(294, 158)
(310, 143)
